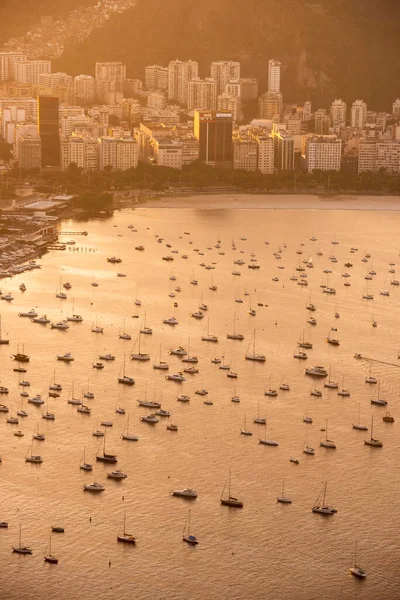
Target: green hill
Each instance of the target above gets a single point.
(328, 47)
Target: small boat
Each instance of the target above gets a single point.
(185, 493)
(84, 465)
(244, 430)
(104, 456)
(388, 418)
(43, 320)
(107, 357)
(59, 325)
(114, 260)
(320, 505)
(230, 500)
(20, 549)
(171, 321)
(152, 418)
(327, 443)
(283, 499)
(49, 557)
(30, 313)
(294, 460)
(301, 355)
(266, 441)
(124, 537)
(358, 425)
(57, 529)
(176, 377)
(377, 400)
(186, 535)
(259, 420)
(373, 441)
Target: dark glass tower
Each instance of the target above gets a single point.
(49, 132)
(213, 129)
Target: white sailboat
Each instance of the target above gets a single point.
(142, 356)
(283, 499)
(234, 335)
(327, 443)
(123, 335)
(356, 570)
(161, 364)
(244, 430)
(266, 441)
(253, 356)
(207, 337)
(84, 465)
(49, 557)
(358, 425)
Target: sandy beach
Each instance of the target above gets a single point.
(275, 202)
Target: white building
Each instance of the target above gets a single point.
(323, 153)
(338, 113)
(28, 71)
(53, 80)
(156, 77)
(119, 154)
(202, 94)
(274, 76)
(10, 117)
(358, 116)
(223, 71)
(110, 77)
(166, 153)
(377, 155)
(27, 130)
(156, 100)
(179, 74)
(84, 89)
(266, 154)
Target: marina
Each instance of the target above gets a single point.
(258, 378)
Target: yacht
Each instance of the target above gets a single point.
(171, 321)
(117, 474)
(301, 355)
(180, 351)
(126, 380)
(320, 505)
(176, 377)
(43, 320)
(107, 357)
(75, 318)
(150, 418)
(149, 403)
(36, 399)
(59, 325)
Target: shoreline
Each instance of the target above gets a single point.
(230, 201)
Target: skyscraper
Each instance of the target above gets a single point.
(338, 113)
(48, 116)
(358, 114)
(274, 76)
(213, 129)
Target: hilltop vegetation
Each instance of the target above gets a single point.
(328, 47)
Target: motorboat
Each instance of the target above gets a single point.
(176, 377)
(94, 487)
(117, 475)
(180, 351)
(114, 260)
(152, 418)
(185, 493)
(171, 321)
(301, 355)
(36, 399)
(43, 320)
(107, 357)
(30, 313)
(67, 357)
(316, 371)
(183, 398)
(126, 380)
(75, 318)
(59, 325)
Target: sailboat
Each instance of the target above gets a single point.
(310, 306)
(126, 435)
(356, 570)
(266, 441)
(96, 328)
(161, 364)
(106, 457)
(245, 431)
(230, 500)
(144, 329)
(20, 549)
(320, 505)
(124, 537)
(283, 498)
(306, 448)
(254, 356)
(84, 465)
(234, 335)
(21, 356)
(303, 344)
(377, 400)
(186, 535)
(370, 378)
(122, 333)
(343, 391)
(270, 391)
(207, 337)
(212, 287)
(124, 378)
(59, 293)
(49, 557)
(330, 383)
(251, 310)
(326, 443)
(3, 340)
(358, 424)
(33, 458)
(143, 356)
(259, 420)
(74, 318)
(373, 441)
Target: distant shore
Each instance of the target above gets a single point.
(215, 201)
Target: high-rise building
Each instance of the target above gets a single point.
(283, 150)
(48, 121)
(166, 153)
(223, 71)
(179, 74)
(81, 150)
(338, 113)
(8, 64)
(156, 77)
(156, 100)
(307, 111)
(202, 94)
(274, 76)
(358, 116)
(381, 119)
(84, 89)
(269, 105)
(23, 129)
(378, 155)
(29, 71)
(245, 155)
(233, 88)
(110, 77)
(213, 129)
(396, 108)
(10, 117)
(249, 88)
(321, 122)
(29, 152)
(323, 153)
(232, 104)
(119, 154)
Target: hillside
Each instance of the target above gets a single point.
(328, 47)
(17, 16)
